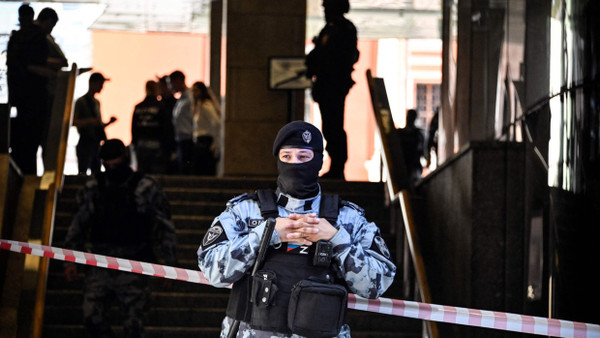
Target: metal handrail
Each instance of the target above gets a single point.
(392, 154)
(415, 253)
(52, 182)
(397, 182)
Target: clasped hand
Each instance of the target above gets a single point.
(304, 228)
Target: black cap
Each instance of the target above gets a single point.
(298, 134)
(98, 77)
(112, 149)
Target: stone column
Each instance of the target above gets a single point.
(216, 31)
(256, 31)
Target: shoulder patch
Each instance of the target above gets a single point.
(215, 234)
(380, 247)
(360, 210)
(240, 198)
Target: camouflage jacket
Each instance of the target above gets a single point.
(151, 204)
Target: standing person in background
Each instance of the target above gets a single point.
(56, 61)
(88, 120)
(123, 214)
(330, 65)
(183, 122)
(150, 132)
(167, 103)
(207, 131)
(56, 57)
(18, 54)
(432, 138)
(413, 142)
(28, 72)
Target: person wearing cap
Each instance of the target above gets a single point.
(123, 214)
(318, 239)
(88, 120)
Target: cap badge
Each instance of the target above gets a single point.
(306, 136)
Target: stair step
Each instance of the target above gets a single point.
(63, 220)
(195, 208)
(209, 320)
(211, 209)
(241, 183)
(178, 317)
(78, 331)
(160, 299)
(56, 281)
(223, 189)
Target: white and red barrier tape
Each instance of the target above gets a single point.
(432, 312)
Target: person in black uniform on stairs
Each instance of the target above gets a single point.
(125, 214)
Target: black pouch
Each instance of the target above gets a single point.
(317, 309)
(266, 312)
(264, 288)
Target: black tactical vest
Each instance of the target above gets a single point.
(290, 262)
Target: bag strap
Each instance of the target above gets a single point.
(266, 201)
(330, 207)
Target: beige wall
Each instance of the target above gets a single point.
(130, 59)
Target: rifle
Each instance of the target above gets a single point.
(260, 256)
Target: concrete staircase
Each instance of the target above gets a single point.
(195, 310)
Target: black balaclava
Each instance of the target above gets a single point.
(119, 174)
(113, 149)
(299, 180)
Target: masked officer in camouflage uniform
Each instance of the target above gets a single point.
(122, 213)
(307, 220)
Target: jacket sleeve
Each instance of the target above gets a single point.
(229, 248)
(361, 255)
(77, 233)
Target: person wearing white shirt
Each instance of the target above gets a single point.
(207, 131)
(183, 113)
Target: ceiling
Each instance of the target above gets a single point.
(374, 19)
